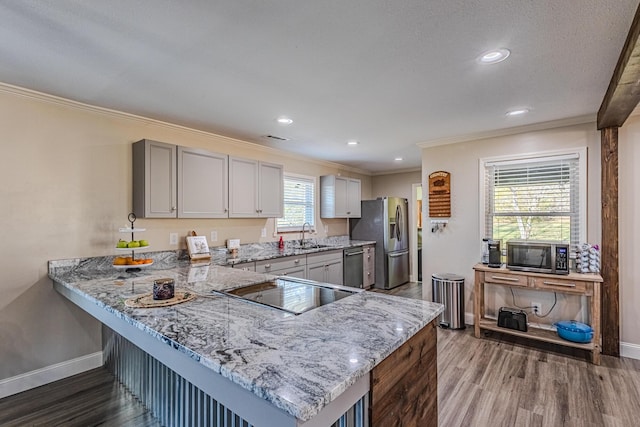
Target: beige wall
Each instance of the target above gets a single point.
(66, 175)
(457, 249)
(395, 185)
(629, 230)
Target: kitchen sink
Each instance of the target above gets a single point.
(311, 246)
(294, 296)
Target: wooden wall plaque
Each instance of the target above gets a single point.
(440, 194)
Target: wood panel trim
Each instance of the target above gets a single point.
(623, 93)
(404, 388)
(610, 247)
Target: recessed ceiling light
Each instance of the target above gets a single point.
(284, 120)
(494, 56)
(352, 143)
(398, 159)
(517, 112)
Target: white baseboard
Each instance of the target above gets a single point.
(49, 374)
(629, 350)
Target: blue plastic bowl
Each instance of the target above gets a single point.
(571, 330)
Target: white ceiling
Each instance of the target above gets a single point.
(389, 74)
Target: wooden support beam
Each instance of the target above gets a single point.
(609, 250)
(623, 93)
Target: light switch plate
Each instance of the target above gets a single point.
(264, 233)
(173, 238)
(214, 236)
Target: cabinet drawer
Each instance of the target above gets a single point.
(561, 285)
(505, 279)
(267, 266)
(324, 257)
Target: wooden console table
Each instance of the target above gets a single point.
(573, 283)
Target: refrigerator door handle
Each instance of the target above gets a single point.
(398, 223)
(397, 254)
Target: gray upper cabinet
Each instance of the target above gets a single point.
(340, 197)
(154, 179)
(170, 181)
(202, 184)
(256, 189)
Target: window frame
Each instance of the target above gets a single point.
(524, 158)
(298, 228)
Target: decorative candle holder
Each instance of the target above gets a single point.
(163, 289)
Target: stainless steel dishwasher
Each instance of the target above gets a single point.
(353, 273)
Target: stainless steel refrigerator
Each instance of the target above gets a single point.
(385, 220)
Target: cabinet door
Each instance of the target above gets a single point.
(353, 198)
(271, 190)
(315, 272)
(154, 179)
(243, 188)
(299, 272)
(202, 184)
(334, 272)
(369, 266)
(341, 197)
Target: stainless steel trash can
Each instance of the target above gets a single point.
(448, 289)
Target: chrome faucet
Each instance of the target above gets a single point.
(303, 226)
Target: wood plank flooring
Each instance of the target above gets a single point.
(496, 381)
(93, 398)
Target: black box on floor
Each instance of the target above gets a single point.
(512, 318)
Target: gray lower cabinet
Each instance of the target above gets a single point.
(326, 267)
(369, 266)
(294, 266)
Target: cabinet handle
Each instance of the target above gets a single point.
(257, 210)
(267, 266)
(566, 285)
(297, 261)
(348, 213)
(508, 279)
(173, 208)
(226, 210)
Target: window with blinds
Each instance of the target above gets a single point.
(536, 198)
(299, 203)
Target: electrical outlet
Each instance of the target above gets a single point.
(173, 238)
(537, 308)
(263, 233)
(214, 236)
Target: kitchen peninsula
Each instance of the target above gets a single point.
(369, 357)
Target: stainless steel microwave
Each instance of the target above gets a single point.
(538, 256)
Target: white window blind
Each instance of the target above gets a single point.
(299, 203)
(535, 199)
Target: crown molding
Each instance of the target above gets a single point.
(571, 121)
(53, 99)
(396, 171)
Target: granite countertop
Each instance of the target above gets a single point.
(298, 363)
(264, 251)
